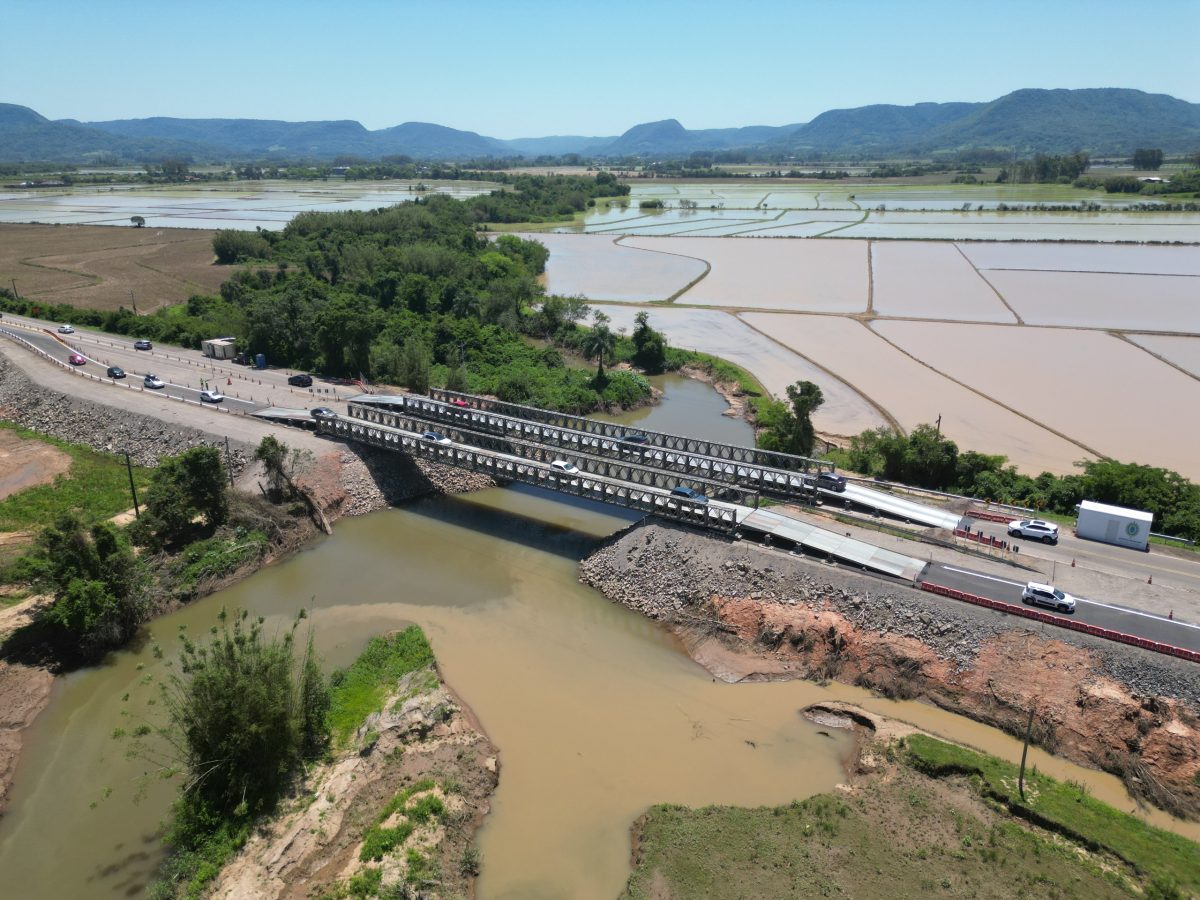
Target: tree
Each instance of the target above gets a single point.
(137, 221)
(599, 342)
(650, 347)
(183, 489)
(97, 581)
(1147, 159)
(791, 430)
(414, 364)
(280, 463)
(243, 713)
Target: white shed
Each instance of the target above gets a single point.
(220, 348)
(1114, 525)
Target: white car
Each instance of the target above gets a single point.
(1046, 532)
(210, 397)
(65, 329)
(436, 436)
(563, 466)
(153, 381)
(1049, 596)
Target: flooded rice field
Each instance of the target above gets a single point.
(1102, 300)
(1101, 391)
(819, 276)
(914, 394)
(1182, 351)
(238, 205)
(900, 274)
(602, 269)
(1063, 257)
(845, 412)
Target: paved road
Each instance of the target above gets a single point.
(1093, 612)
(1164, 568)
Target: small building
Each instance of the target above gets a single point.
(220, 348)
(1114, 525)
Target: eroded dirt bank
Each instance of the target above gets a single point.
(425, 744)
(746, 611)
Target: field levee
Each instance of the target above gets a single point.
(746, 611)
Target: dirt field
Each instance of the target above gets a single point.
(24, 463)
(97, 266)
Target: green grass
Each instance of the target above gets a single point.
(1154, 853)
(97, 485)
(379, 841)
(360, 690)
(215, 557)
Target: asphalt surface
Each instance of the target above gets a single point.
(1092, 612)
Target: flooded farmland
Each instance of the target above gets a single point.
(1182, 351)
(1094, 376)
(602, 269)
(914, 394)
(1102, 300)
(902, 286)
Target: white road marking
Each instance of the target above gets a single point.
(1123, 609)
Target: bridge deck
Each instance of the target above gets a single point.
(845, 549)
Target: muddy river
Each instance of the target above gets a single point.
(597, 712)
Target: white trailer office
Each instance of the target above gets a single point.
(1114, 525)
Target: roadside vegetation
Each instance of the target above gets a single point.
(939, 819)
(925, 458)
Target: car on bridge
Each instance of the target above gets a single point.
(142, 345)
(77, 359)
(459, 402)
(563, 466)
(154, 382)
(1035, 529)
(831, 482)
(436, 436)
(300, 380)
(687, 493)
(1049, 596)
(323, 412)
(635, 437)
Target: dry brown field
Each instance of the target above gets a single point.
(97, 266)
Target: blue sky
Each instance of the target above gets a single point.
(522, 68)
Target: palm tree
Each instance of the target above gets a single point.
(599, 342)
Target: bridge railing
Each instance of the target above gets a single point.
(777, 483)
(632, 472)
(768, 458)
(582, 484)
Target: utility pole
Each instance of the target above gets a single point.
(228, 461)
(14, 284)
(939, 425)
(1024, 753)
(132, 301)
(132, 489)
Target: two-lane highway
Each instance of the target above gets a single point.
(1093, 612)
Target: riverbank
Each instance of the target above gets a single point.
(749, 612)
(343, 480)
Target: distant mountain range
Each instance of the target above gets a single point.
(1099, 120)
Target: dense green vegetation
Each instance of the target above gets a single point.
(360, 690)
(913, 831)
(925, 458)
(1045, 169)
(790, 429)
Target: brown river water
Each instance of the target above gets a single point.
(597, 711)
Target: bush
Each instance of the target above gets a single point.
(238, 246)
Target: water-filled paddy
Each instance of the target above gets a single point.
(822, 276)
(1059, 257)
(903, 286)
(1088, 385)
(1182, 351)
(914, 394)
(1102, 300)
(601, 269)
(845, 412)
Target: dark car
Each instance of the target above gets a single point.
(323, 412)
(300, 380)
(831, 482)
(116, 372)
(635, 437)
(688, 493)
(142, 345)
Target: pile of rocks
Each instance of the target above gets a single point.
(668, 572)
(105, 428)
(375, 479)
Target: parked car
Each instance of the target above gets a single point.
(323, 412)
(65, 329)
(563, 466)
(1036, 529)
(437, 437)
(688, 493)
(77, 360)
(142, 345)
(210, 396)
(116, 372)
(831, 481)
(1049, 596)
(300, 380)
(153, 381)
